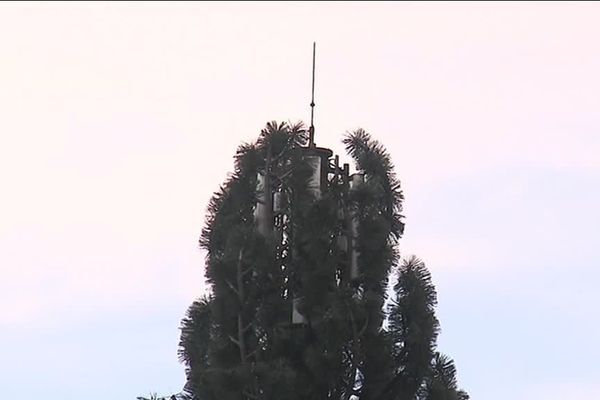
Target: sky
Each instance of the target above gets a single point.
(119, 121)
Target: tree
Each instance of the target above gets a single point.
(299, 254)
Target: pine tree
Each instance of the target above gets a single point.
(299, 256)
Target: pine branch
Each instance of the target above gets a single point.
(232, 287)
(246, 272)
(252, 353)
(234, 340)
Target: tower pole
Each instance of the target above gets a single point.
(311, 131)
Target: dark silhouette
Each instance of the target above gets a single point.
(299, 256)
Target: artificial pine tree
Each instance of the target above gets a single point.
(299, 256)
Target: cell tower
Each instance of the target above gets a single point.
(326, 174)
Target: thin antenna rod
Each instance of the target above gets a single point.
(311, 131)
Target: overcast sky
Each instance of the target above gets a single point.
(118, 121)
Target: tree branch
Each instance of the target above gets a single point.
(237, 343)
(253, 352)
(247, 327)
(247, 271)
(232, 287)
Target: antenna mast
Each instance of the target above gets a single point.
(311, 131)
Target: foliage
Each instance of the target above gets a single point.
(239, 343)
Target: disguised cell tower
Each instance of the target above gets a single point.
(326, 175)
(299, 257)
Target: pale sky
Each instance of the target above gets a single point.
(118, 121)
